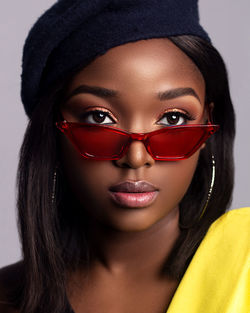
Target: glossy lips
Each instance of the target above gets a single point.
(133, 194)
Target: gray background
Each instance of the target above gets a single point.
(227, 22)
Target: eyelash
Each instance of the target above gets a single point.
(186, 116)
(89, 112)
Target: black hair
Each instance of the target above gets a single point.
(53, 244)
(220, 145)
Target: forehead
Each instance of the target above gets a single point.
(142, 66)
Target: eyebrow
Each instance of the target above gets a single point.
(109, 93)
(177, 92)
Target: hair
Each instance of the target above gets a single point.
(53, 243)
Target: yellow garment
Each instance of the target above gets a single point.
(218, 277)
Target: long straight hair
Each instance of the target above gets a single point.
(54, 244)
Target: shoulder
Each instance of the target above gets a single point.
(234, 225)
(241, 215)
(225, 250)
(224, 253)
(10, 277)
(230, 233)
(218, 276)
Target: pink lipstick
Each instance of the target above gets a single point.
(131, 194)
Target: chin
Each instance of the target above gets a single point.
(136, 220)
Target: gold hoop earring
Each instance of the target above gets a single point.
(208, 197)
(210, 189)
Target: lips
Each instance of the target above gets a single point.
(133, 194)
(129, 186)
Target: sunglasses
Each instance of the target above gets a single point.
(171, 143)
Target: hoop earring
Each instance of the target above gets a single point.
(54, 186)
(210, 189)
(208, 196)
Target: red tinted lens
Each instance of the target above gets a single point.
(179, 142)
(107, 143)
(95, 141)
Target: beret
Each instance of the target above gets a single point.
(72, 33)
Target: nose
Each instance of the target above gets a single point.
(136, 156)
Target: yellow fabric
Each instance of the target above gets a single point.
(218, 277)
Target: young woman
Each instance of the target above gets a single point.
(126, 166)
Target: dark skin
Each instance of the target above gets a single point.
(131, 245)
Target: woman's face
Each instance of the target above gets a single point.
(137, 72)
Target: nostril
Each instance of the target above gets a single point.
(125, 165)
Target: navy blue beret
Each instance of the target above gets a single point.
(72, 33)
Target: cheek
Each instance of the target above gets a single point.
(175, 179)
(88, 179)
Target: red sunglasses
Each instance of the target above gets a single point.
(99, 142)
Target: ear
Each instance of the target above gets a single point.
(203, 146)
(208, 114)
(209, 111)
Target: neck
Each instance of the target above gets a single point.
(134, 252)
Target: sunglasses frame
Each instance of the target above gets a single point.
(65, 127)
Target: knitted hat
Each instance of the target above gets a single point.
(73, 32)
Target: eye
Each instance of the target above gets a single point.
(97, 117)
(175, 118)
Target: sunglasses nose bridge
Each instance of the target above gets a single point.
(139, 136)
